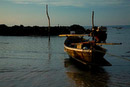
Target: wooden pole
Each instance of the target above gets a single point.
(92, 36)
(108, 43)
(92, 19)
(48, 21)
(49, 47)
(92, 25)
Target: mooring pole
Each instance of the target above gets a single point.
(92, 19)
(92, 25)
(49, 47)
(92, 36)
(48, 22)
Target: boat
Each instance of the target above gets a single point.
(84, 51)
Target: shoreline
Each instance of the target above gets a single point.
(37, 30)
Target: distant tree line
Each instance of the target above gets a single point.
(39, 31)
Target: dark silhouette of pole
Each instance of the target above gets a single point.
(49, 47)
(92, 36)
(48, 21)
(92, 19)
(93, 25)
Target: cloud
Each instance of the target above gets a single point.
(28, 1)
(75, 3)
(108, 2)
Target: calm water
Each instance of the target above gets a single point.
(31, 62)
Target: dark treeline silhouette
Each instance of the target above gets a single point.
(38, 31)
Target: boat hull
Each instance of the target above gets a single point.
(89, 56)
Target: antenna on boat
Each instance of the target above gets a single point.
(48, 21)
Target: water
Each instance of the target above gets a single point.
(32, 62)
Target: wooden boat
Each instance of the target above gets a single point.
(86, 52)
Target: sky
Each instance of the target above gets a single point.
(64, 12)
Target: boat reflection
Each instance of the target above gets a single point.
(84, 77)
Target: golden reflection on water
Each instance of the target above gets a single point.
(84, 77)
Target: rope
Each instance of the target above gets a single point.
(114, 55)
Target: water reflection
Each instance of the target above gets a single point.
(49, 49)
(83, 77)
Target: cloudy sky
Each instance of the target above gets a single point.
(64, 12)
